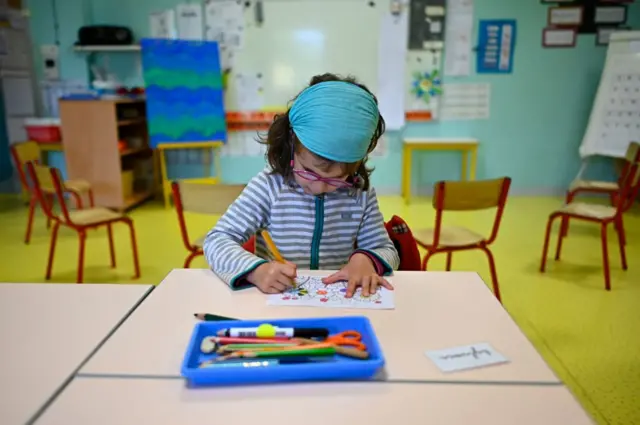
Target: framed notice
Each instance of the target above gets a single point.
(565, 16)
(610, 15)
(559, 37)
(604, 34)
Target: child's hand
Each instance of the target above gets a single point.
(360, 271)
(273, 277)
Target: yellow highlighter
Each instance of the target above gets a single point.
(274, 249)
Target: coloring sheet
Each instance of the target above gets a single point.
(312, 292)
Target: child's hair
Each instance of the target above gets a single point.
(280, 137)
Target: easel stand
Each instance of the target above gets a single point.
(209, 148)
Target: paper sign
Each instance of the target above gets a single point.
(466, 357)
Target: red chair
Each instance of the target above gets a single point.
(601, 214)
(465, 196)
(47, 180)
(604, 187)
(203, 198)
(25, 152)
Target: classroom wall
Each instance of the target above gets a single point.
(538, 113)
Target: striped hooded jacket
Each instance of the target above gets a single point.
(314, 232)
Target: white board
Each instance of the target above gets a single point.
(615, 115)
(299, 39)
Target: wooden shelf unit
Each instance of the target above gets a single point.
(91, 130)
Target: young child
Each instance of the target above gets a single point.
(316, 201)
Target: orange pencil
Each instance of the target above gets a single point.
(274, 249)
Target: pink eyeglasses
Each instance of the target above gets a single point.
(311, 176)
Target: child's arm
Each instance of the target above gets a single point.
(374, 240)
(223, 244)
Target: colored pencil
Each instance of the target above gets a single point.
(207, 317)
(272, 247)
(274, 250)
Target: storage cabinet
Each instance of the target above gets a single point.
(106, 143)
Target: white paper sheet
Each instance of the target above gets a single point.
(458, 36)
(189, 21)
(311, 292)
(248, 91)
(224, 20)
(163, 24)
(251, 145)
(392, 59)
(465, 357)
(224, 23)
(466, 101)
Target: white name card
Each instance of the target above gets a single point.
(466, 357)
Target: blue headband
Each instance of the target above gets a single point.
(335, 120)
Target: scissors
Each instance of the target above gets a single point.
(348, 339)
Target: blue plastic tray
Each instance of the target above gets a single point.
(336, 367)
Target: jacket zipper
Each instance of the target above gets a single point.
(317, 233)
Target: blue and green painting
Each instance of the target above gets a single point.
(184, 91)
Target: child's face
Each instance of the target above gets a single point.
(316, 175)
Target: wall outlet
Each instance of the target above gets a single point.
(50, 65)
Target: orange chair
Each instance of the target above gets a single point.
(47, 180)
(24, 152)
(202, 198)
(597, 213)
(604, 187)
(610, 188)
(465, 196)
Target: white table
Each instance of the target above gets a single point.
(434, 310)
(125, 401)
(47, 331)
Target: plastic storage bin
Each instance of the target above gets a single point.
(338, 368)
(43, 130)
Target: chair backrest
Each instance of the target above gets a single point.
(633, 152)
(468, 195)
(47, 181)
(22, 153)
(206, 198)
(631, 157)
(201, 198)
(629, 189)
(471, 196)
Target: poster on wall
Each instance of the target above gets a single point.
(424, 86)
(184, 91)
(496, 45)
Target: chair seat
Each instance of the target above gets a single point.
(594, 185)
(582, 209)
(96, 215)
(78, 186)
(450, 236)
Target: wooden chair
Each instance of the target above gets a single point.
(201, 198)
(24, 152)
(610, 188)
(48, 180)
(465, 196)
(604, 187)
(598, 213)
